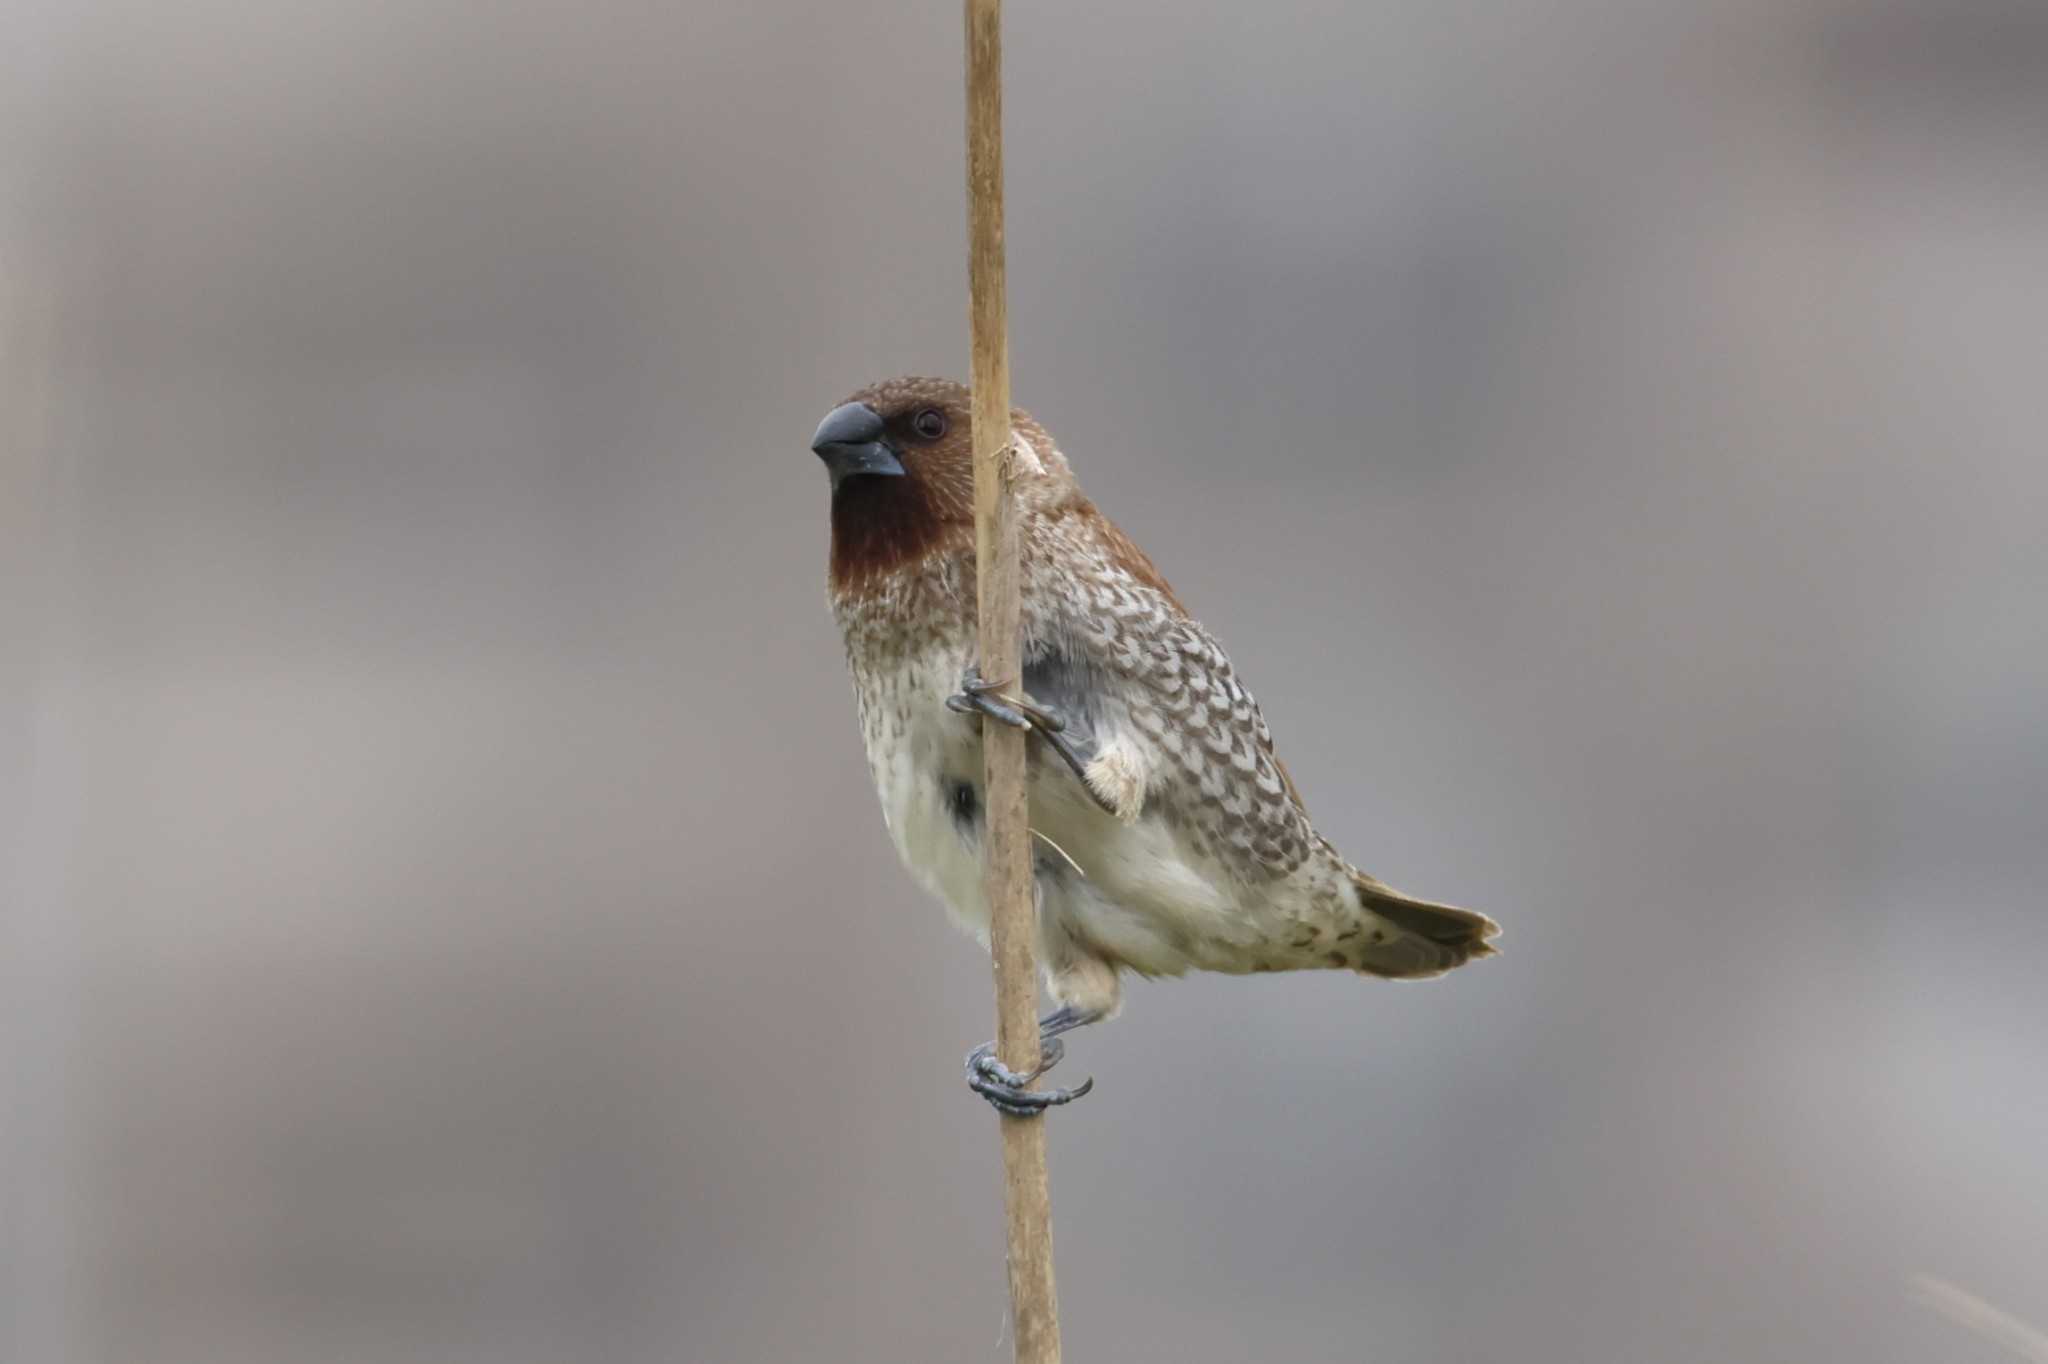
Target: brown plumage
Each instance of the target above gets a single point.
(1191, 848)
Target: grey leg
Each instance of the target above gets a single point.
(979, 697)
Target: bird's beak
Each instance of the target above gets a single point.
(851, 440)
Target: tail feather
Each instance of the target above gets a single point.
(1420, 939)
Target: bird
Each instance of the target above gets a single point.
(1167, 836)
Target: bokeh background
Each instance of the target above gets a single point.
(446, 914)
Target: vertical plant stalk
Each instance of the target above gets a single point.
(1027, 1196)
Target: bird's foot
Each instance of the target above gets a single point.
(1008, 1091)
(977, 696)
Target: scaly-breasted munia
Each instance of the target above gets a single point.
(1169, 836)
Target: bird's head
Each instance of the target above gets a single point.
(902, 469)
(896, 436)
(901, 459)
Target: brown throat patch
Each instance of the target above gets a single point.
(882, 524)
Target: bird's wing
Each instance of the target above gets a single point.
(1111, 643)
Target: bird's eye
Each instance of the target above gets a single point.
(930, 423)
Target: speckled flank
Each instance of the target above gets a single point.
(1180, 694)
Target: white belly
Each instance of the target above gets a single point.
(917, 751)
(1135, 893)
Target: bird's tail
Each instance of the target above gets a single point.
(1414, 939)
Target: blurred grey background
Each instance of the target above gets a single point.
(446, 915)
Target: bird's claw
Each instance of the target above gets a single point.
(977, 696)
(1007, 1091)
(995, 707)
